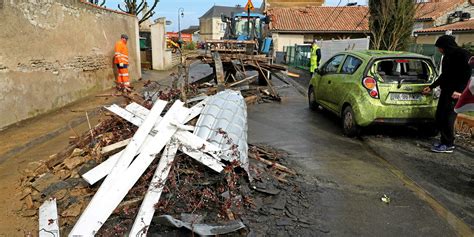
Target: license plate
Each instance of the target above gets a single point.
(405, 96)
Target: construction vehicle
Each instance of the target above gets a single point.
(244, 33)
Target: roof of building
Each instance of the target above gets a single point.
(319, 19)
(431, 10)
(190, 30)
(457, 27)
(217, 11)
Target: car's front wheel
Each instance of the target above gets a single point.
(349, 125)
(313, 104)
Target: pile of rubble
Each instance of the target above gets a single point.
(153, 162)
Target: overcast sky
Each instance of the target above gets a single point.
(193, 9)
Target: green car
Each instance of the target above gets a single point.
(376, 87)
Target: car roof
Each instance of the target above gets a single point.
(376, 54)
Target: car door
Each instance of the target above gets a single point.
(344, 81)
(329, 72)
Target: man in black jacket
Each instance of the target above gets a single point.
(455, 73)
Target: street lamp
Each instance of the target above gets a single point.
(180, 14)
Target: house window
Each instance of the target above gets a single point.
(222, 27)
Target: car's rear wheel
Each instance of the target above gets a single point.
(313, 104)
(349, 125)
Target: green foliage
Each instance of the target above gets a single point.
(190, 46)
(391, 23)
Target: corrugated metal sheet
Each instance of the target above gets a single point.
(223, 122)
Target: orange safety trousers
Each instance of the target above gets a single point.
(123, 78)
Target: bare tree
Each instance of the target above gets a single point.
(391, 23)
(98, 2)
(135, 7)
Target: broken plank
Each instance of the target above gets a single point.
(250, 100)
(200, 97)
(103, 204)
(48, 219)
(248, 79)
(219, 68)
(104, 168)
(274, 164)
(127, 115)
(114, 146)
(137, 109)
(191, 141)
(270, 86)
(292, 74)
(207, 160)
(152, 196)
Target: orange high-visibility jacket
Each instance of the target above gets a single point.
(121, 53)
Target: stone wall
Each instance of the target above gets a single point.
(54, 52)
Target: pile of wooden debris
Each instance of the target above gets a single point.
(156, 166)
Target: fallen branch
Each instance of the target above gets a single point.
(274, 164)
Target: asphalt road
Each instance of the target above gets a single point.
(431, 194)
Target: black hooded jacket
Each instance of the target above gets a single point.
(456, 71)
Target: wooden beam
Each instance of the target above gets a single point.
(115, 146)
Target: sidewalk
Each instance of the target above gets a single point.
(38, 138)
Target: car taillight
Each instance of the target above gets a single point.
(371, 85)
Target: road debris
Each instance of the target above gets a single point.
(48, 219)
(385, 199)
(184, 178)
(203, 229)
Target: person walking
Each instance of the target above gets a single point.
(121, 61)
(315, 57)
(453, 79)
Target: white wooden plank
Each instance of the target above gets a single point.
(103, 169)
(147, 209)
(191, 141)
(127, 115)
(183, 127)
(83, 227)
(137, 110)
(48, 219)
(115, 146)
(100, 207)
(207, 160)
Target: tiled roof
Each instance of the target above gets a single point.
(458, 26)
(319, 19)
(432, 10)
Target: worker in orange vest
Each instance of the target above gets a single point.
(121, 60)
